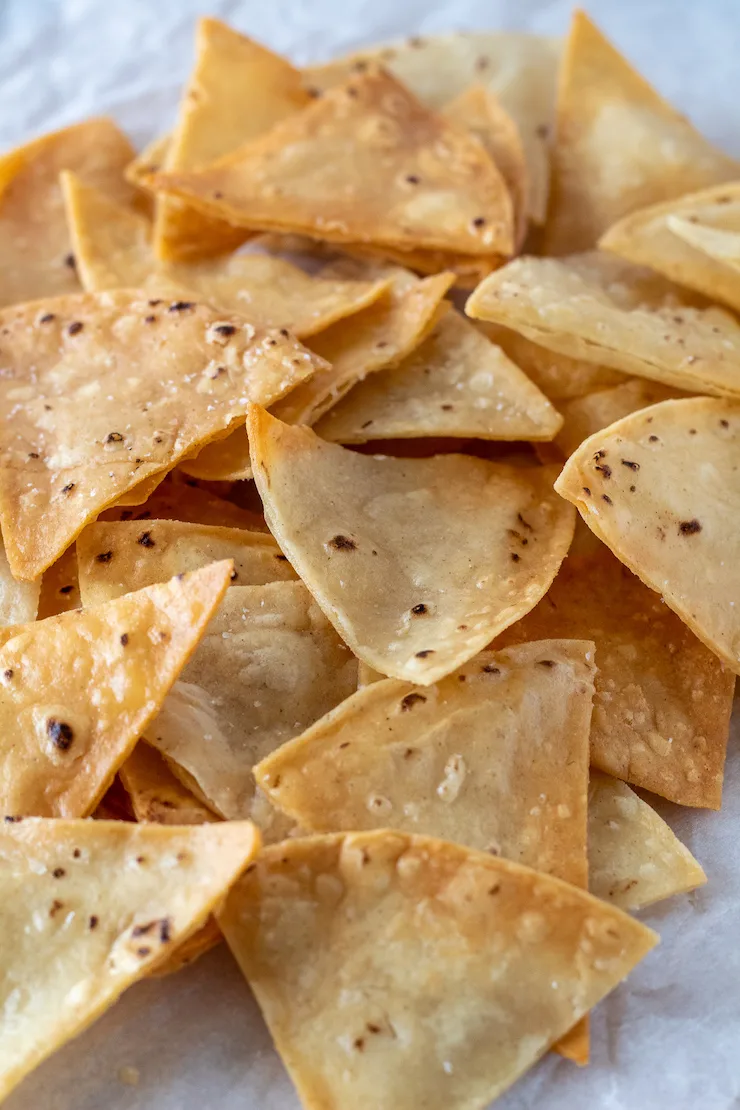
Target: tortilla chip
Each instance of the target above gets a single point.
(663, 702)
(74, 445)
(76, 940)
(467, 760)
(68, 728)
(634, 859)
(596, 307)
(226, 460)
(138, 554)
(365, 163)
(156, 795)
(478, 110)
(188, 502)
(141, 493)
(441, 553)
(516, 67)
(113, 250)
(148, 161)
(19, 601)
(36, 252)
(237, 91)
(468, 269)
(457, 383)
(559, 377)
(681, 459)
(60, 587)
(694, 240)
(269, 666)
(619, 146)
(356, 947)
(585, 415)
(115, 805)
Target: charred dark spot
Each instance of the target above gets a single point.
(419, 610)
(282, 558)
(412, 179)
(652, 439)
(181, 306)
(489, 668)
(60, 733)
(632, 489)
(425, 653)
(77, 853)
(59, 872)
(630, 465)
(604, 497)
(689, 527)
(114, 437)
(150, 319)
(409, 753)
(234, 575)
(372, 1028)
(47, 318)
(344, 744)
(494, 889)
(104, 557)
(692, 431)
(141, 859)
(342, 543)
(360, 1042)
(410, 701)
(8, 673)
(68, 488)
(92, 921)
(524, 523)
(587, 491)
(124, 639)
(447, 408)
(69, 262)
(66, 589)
(218, 372)
(478, 221)
(224, 329)
(55, 907)
(145, 539)
(33, 454)
(605, 470)
(142, 952)
(546, 662)
(75, 327)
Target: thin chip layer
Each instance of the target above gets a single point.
(404, 971)
(417, 562)
(583, 416)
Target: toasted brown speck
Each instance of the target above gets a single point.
(689, 527)
(75, 327)
(92, 921)
(604, 497)
(342, 543)
(60, 733)
(630, 465)
(8, 673)
(425, 653)
(410, 701)
(419, 610)
(124, 639)
(104, 557)
(145, 539)
(59, 872)
(68, 488)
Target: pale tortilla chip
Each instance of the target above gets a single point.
(36, 257)
(457, 383)
(148, 161)
(188, 502)
(694, 240)
(478, 110)
(365, 163)
(559, 377)
(60, 586)
(517, 68)
(663, 701)
(380, 336)
(68, 728)
(226, 460)
(403, 971)
(237, 91)
(417, 562)
(585, 415)
(676, 528)
(634, 858)
(467, 269)
(115, 558)
(269, 665)
(468, 759)
(76, 940)
(179, 374)
(599, 308)
(619, 146)
(19, 601)
(141, 493)
(113, 250)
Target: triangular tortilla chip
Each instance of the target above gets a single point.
(269, 665)
(478, 110)
(516, 67)
(596, 307)
(95, 906)
(60, 586)
(141, 493)
(156, 795)
(115, 558)
(19, 601)
(558, 376)
(634, 858)
(113, 250)
(365, 163)
(457, 383)
(226, 460)
(585, 415)
(188, 502)
(36, 257)
(148, 161)
(694, 240)
(468, 759)
(661, 488)
(79, 688)
(403, 971)
(417, 562)
(237, 91)
(109, 389)
(619, 146)
(663, 701)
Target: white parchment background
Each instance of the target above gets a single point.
(668, 1039)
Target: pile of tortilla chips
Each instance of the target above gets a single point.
(302, 646)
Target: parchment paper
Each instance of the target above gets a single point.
(670, 1037)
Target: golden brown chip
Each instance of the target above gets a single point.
(365, 163)
(634, 859)
(226, 460)
(599, 308)
(148, 161)
(139, 553)
(76, 939)
(417, 562)
(516, 67)
(188, 502)
(35, 253)
(660, 488)
(403, 971)
(585, 415)
(237, 91)
(457, 383)
(693, 240)
(68, 728)
(179, 374)
(619, 146)
(663, 701)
